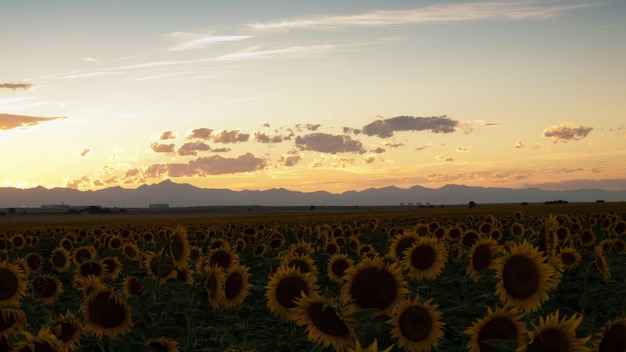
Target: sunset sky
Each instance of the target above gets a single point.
(313, 95)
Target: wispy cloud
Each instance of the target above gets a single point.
(471, 11)
(9, 121)
(14, 86)
(294, 51)
(191, 41)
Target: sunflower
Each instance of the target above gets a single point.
(89, 284)
(224, 257)
(587, 238)
(401, 243)
(132, 287)
(481, 257)
(301, 248)
(13, 283)
(259, 250)
(163, 344)
(601, 263)
(285, 287)
(303, 263)
(325, 323)
(374, 284)
(68, 329)
(470, 238)
(554, 334)
(12, 320)
(371, 348)
(116, 243)
(502, 324)
(417, 325)
(425, 259)
(131, 251)
(112, 266)
(612, 337)
(47, 289)
(159, 266)
(106, 313)
(524, 277)
(569, 257)
(337, 266)
(195, 253)
(331, 247)
(18, 241)
(88, 268)
(456, 232)
(179, 247)
(236, 286)
(45, 340)
(83, 254)
(517, 230)
(214, 285)
(34, 262)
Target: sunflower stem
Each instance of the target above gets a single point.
(111, 345)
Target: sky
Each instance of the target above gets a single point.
(313, 95)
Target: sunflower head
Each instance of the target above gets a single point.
(325, 323)
(106, 313)
(502, 324)
(417, 325)
(555, 334)
(13, 281)
(612, 337)
(285, 287)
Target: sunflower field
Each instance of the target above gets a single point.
(527, 278)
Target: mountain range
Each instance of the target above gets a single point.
(185, 195)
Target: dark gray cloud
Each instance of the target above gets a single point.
(14, 86)
(9, 121)
(192, 148)
(564, 132)
(348, 130)
(200, 133)
(386, 128)
(377, 150)
(205, 166)
(329, 143)
(264, 138)
(167, 135)
(228, 137)
(309, 127)
(290, 159)
(162, 148)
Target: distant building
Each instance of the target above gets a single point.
(159, 206)
(55, 206)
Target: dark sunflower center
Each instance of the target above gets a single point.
(59, 259)
(326, 320)
(423, 257)
(82, 255)
(415, 323)
(68, 330)
(470, 239)
(33, 261)
(339, 267)
(374, 288)
(289, 289)
(177, 247)
(402, 245)
(157, 346)
(130, 252)
(9, 284)
(614, 339)
(105, 311)
(497, 328)
(233, 285)
(552, 340)
(568, 258)
(49, 288)
(481, 257)
(520, 277)
(90, 268)
(221, 258)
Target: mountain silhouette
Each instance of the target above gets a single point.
(185, 195)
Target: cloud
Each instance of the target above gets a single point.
(264, 138)
(385, 128)
(233, 136)
(89, 59)
(462, 149)
(348, 130)
(205, 166)
(192, 148)
(290, 159)
(422, 147)
(200, 133)
(444, 158)
(167, 135)
(606, 184)
(294, 51)
(435, 13)
(308, 126)
(85, 152)
(162, 148)
(377, 150)
(469, 127)
(565, 132)
(191, 41)
(520, 145)
(329, 143)
(78, 183)
(394, 145)
(14, 86)
(9, 121)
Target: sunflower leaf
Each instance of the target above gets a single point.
(502, 345)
